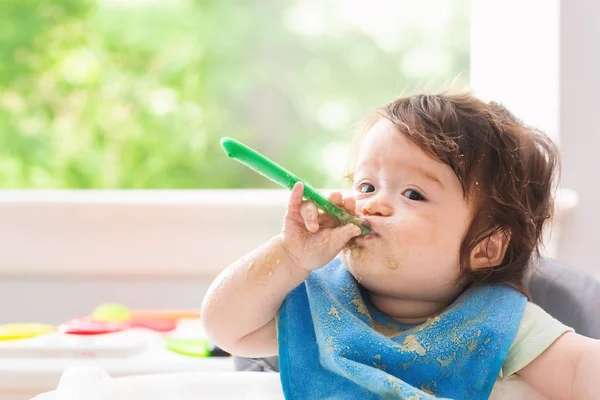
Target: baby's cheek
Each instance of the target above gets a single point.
(430, 243)
(415, 234)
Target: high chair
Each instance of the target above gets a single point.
(569, 295)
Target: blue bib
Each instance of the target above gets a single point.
(334, 344)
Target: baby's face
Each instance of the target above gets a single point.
(416, 207)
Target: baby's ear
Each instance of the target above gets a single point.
(490, 251)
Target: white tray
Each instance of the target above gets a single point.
(95, 384)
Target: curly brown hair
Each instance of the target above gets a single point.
(506, 168)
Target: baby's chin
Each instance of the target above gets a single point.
(363, 263)
(354, 254)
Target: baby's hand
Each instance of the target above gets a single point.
(312, 238)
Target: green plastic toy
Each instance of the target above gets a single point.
(188, 347)
(111, 312)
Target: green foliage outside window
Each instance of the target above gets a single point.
(135, 94)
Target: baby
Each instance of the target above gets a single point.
(432, 304)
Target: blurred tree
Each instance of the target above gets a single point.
(137, 93)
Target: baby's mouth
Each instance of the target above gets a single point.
(373, 233)
(367, 225)
(370, 236)
(357, 241)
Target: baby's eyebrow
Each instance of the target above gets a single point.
(428, 175)
(420, 171)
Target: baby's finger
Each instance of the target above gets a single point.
(350, 205)
(341, 235)
(295, 201)
(327, 221)
(310, 216)
(336, 199)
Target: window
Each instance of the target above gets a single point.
(135, 94)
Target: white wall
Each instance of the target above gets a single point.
(53, 300)
(541, 58)
(515, 58)
(62, 253)
(580, 129)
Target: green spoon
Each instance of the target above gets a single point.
(283, 177)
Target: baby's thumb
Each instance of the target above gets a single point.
(341, 235)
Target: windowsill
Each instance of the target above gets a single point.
(194, 233)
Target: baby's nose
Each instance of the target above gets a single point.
(377, 208)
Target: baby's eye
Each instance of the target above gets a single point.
(365, 188)
(413, 195)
